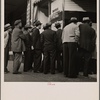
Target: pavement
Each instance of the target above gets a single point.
(40, 77)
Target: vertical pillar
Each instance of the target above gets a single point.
(63, 13)
(49, 10)
(28, 16)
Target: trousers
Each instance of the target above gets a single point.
(28, 60)
(6, 58)
(59, 60)
(49, 61)
(17, 61)
(37, 60)
(69, 59)
(86, 55)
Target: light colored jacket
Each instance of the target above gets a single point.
(70, 33)
(17, 43)
(6, 38)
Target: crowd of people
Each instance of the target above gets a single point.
(46, 52)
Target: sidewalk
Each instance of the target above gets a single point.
(90, 75)
(40, 77)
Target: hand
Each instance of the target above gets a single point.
(76, 38)
(32, 47)
(31, 33)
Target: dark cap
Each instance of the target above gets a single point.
(27, 26)
(17, 22)
(38, 23)
(57, 25)
(48, 24)
(44, 26)
(7, 26)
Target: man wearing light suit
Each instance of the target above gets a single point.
(18, 46)
(7, 29)
(70, 37)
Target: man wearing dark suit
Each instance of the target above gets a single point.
(18, 46)
(28, 52)
(37, 46)
(7, 29)
(48, 39)
(59, 47)
(86, 43)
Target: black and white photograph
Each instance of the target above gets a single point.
(46, 43)
(50, 41)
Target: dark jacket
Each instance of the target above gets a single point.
(49, 40)
(36, 43)
(17, 43)
(87, 37)
(27, 42)
(59, 40)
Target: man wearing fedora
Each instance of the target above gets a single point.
(87, 43)
(70, 37)
(28, 52)
(7, 31)
(18, 46)
(37, 46)
(49, 41)
(59, 47)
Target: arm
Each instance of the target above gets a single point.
(21, 35)
(63, 32)
(77, 34)
(35, 37)
(42, 38)
(6, 37)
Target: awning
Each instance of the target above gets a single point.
(37, 1)
(80, 5)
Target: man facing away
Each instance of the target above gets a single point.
(36, 44)
(18, 46)
(59, 47)
(28, 52)
(70, 37)
(7, 31)
(87, 43)
(48, 39)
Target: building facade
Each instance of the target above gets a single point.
(62, 11)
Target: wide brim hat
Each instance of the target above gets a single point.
(27, 26)
(85, 19)
(37, 23)
(73, 19)
(17, 22)
(7, 26)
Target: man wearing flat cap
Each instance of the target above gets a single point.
(87, 43)
(18, 46)
(70, 37)
(7, 36)
(59, 47)
(48, 40)
(37, 46)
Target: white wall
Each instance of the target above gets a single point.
(56, 4)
